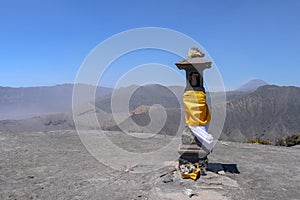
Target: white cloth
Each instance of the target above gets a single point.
(203, 136)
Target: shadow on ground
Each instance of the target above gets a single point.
(217, 167)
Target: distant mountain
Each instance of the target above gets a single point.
(252, 85)
(18, 103)
(57, 99)
(139, 121)
(142, 95)
(271, 112)
(167, 96)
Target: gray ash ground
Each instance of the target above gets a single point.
(56, 165)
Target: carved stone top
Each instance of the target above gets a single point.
(194, 61)
(194, 66)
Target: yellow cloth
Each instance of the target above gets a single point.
(196, 109)
(194, 175)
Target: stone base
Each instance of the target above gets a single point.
(192, 154)
(191, 150)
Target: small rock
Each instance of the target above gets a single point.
(222, 172)
(189, 193)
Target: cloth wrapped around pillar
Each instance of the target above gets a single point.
(197, 116)
(196, 109)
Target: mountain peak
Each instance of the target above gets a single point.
(252, 85)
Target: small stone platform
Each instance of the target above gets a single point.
(191, 150)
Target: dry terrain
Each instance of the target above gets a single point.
(56, 165)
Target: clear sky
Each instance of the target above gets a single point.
(45, 42)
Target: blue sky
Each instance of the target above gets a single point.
(45, 42)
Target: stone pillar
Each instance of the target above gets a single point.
(190, 149)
